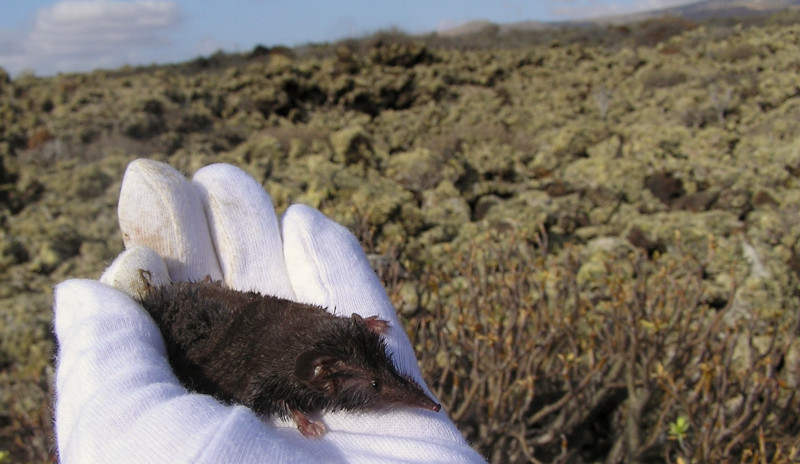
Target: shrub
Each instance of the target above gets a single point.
(534, 367)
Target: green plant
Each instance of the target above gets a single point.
(678, 430)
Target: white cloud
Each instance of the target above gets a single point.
(77, 35)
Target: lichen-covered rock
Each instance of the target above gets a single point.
(352, 145)
(588, 154)
(379, 200)
(259, 154)
(422, 169)
(400, 54)
(525, 213)
(600, 257)
(88, 182)
(54, 252)
(445, 204)
(11, 251)
(4, 78)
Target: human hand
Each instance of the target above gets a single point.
(117, 399)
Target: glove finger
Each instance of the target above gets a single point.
(160, 209)
(244, 230)
(135, 270)
(327, 267)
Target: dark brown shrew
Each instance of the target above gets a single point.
(276, 356)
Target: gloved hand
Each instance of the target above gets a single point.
(117, 399)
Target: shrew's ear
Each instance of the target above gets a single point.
(316, 370)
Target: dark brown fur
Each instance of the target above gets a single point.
(277, 356)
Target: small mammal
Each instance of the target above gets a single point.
(276, 356)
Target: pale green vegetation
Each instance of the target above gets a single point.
(593, 234)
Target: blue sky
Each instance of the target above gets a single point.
(51, 36)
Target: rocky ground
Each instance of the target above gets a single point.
(672, 141)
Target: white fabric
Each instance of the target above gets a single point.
(117, 399)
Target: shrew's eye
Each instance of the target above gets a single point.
(375, 384)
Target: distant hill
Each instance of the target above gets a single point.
(697, 11)
(707, 9)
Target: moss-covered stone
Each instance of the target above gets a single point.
(422, 169)
(352, 145)
(586, 154)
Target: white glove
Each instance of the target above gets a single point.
(117, 400)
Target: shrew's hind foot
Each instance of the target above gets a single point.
(306, 426)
